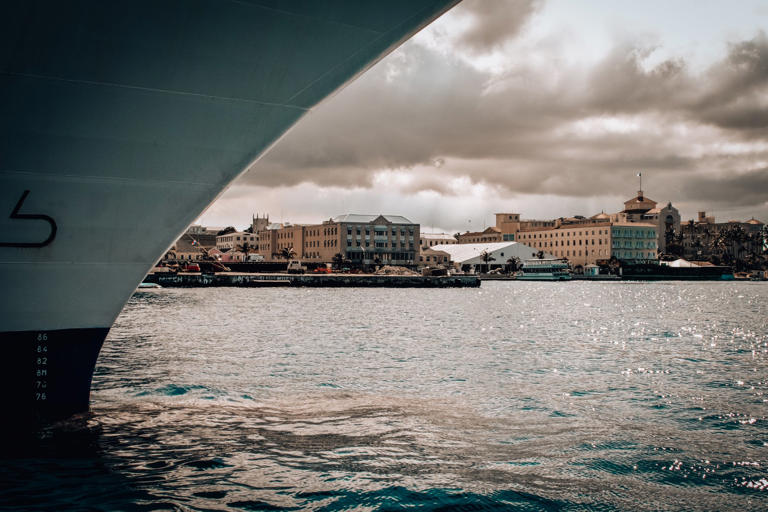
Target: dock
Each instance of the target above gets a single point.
(199, 280)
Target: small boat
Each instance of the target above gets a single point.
(148, 285)
(552, 269)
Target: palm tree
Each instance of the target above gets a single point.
(338, 260)
(245, 248)
(486, 257)
(287, 253)
(513, 264)
(614, 265)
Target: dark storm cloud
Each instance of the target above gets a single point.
(538, 129)
(738, 88)
(748, 189)
(621, 84)
(495, 22)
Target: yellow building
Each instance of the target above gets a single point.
(589, 241)
(510, 224)
(233, 240)
(488, 236)
(582, 243)
(362, 239)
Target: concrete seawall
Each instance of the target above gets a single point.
(195, 280)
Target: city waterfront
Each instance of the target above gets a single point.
(596, 396)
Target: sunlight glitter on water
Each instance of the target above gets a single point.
(652, 397)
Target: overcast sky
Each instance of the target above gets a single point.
(545, 108)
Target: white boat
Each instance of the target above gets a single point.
(547, 269)
(120, 122)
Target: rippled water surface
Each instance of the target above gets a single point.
(529, 396)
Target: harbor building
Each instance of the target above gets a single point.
(433, 258)
(510, 224)
(267, 238)
(704, 238)
(507, 228)
(643, 209)
(581, 241)
(589, 241)
(488, 235)
(361, 239)
(232, 240)
(192, 245)
(259, 223)
(427, 240)
(634, 241)
(469, 257)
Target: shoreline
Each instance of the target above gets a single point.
(197, 280)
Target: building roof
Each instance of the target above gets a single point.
(636, 224)
(597, 223)
(492, 230)
(235, 233)
(366, 219)
(753, 221)
(437, 236)
(470, 253)
(431, 252)
(640, 203)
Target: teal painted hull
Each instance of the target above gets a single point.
(120, 122)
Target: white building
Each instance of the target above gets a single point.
(427, 240)
(470, 256)
(235, 239)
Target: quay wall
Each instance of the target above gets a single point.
(194, 280)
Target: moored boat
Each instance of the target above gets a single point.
(546, 269)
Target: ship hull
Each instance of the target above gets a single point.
(47, 374)
(120, 122)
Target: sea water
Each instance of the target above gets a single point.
(516, 395)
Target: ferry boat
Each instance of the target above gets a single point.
(120, 122)
(547, 269)
(653, 271)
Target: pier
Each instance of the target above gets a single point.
(197, 280)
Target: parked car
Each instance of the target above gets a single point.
(295, 267)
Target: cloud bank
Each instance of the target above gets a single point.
(532, 124)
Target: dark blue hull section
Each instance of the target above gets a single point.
(47, 374)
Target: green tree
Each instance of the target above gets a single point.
(287, 253)
(245, 248)
(487, 258)
(338, 260)
(513, 264)
(227, 230)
